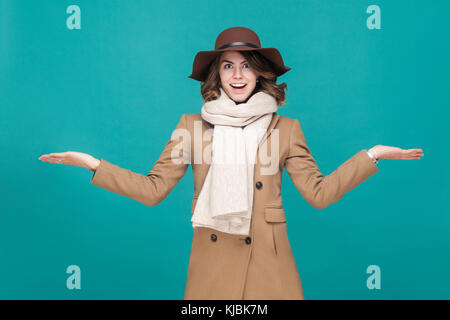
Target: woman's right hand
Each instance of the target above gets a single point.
(72, 158)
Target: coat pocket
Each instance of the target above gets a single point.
(274, 217)
(272, 214)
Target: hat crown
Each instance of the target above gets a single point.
(235, 39)
(237, 34)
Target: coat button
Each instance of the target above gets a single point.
(248, 240)
(213, 237)
(259, 185)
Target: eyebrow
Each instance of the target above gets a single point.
(231, 61)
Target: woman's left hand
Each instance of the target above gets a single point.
(386, 152)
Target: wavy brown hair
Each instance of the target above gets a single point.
(264, 70)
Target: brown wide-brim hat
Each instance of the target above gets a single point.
(235, 38)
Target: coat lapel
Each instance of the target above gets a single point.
(272, 125)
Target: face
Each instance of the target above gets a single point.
(234, 72)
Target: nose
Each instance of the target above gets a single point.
(237, 73)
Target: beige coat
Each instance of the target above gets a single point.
(226, 266)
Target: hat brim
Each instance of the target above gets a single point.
(203, 59)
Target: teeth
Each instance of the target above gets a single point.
(238, 85)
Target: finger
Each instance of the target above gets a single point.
(47, 156)
(414, 155)
(415, 152)
(53, 159)
(57, 161)
(407, 154)
(57, 155)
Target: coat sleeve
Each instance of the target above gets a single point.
(317, 190)
(155, 186)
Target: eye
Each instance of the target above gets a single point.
(225, 66)
(246, 64)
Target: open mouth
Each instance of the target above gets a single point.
(238, 86)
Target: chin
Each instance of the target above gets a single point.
(239, 97)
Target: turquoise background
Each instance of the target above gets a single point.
(116, 89)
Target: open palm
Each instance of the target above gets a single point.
(387, 152)
(71, 158)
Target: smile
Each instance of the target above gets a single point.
(238, 86)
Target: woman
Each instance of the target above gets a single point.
(240, 247)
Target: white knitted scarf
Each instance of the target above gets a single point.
(225, 202)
